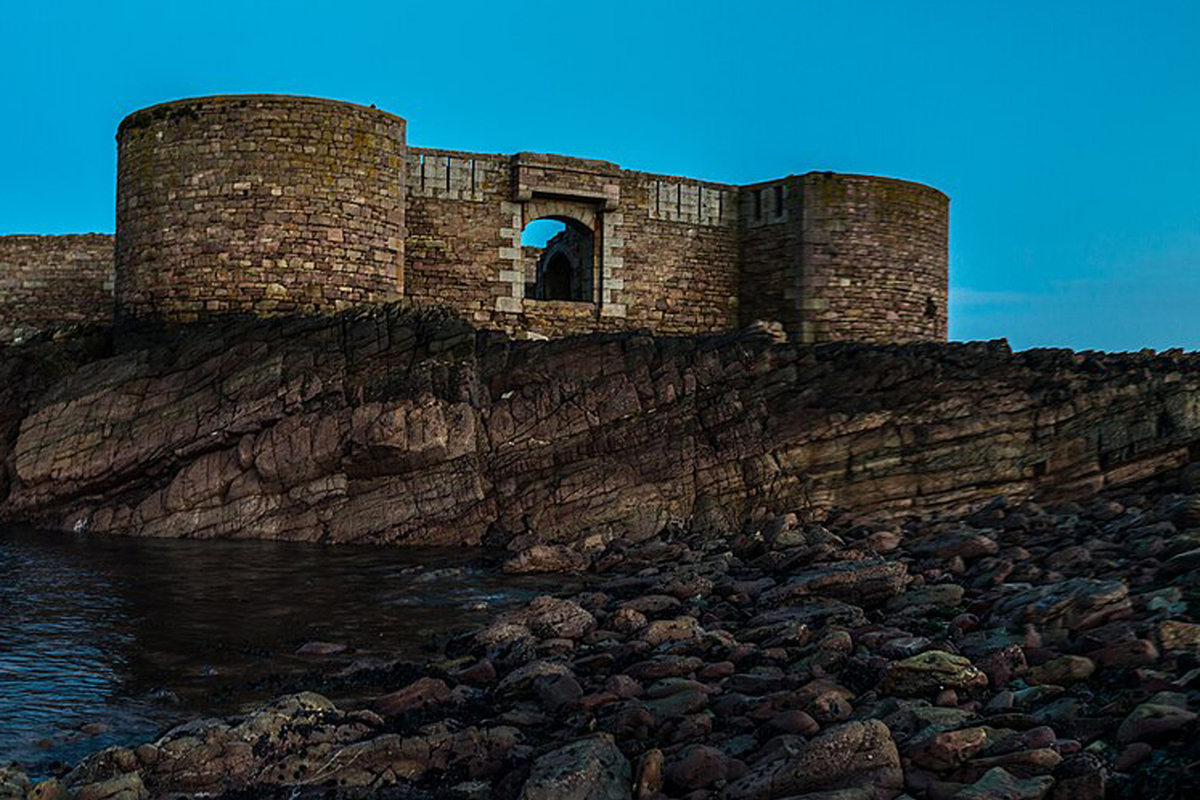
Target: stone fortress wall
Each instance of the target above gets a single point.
(258, 204)
(274, 205)
(54, 280)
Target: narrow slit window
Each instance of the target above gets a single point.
(447, 173)
(422, 173)
(758, 203)
(779, 201)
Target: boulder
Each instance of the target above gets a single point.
(418, 694)
(859, 582)
(13, 782)
(649, 779)
(942, 751)
(998, 784)
(1068, 605)
(1063, 671)
(123, 787)
(589, 769)
(930, 672)
(1152, 721)
(671, 630)
(542, 558)
(854, 755)
(551, 618)
(698, 766)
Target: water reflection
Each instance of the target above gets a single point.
(107, 640)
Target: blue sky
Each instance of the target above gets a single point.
(1066, 133)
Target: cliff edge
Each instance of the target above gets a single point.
(398, 426)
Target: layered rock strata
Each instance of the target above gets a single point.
(406, 427)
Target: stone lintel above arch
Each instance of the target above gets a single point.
(273, 205)
(545, 175)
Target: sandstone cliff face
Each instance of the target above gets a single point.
(391, 426)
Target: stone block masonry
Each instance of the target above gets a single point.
(653, 269)
(873, 260)
(268, 205)
(259, 205)
(54, 280)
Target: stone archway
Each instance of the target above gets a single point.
(562, 267)
(600, 281)
(565, 267)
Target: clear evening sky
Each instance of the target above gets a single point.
(1066, 133)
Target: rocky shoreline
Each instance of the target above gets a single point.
(404, 425)
(1022, 651)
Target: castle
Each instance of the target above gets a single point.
(273, 205)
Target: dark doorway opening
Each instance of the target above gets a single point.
(556, 279)
(559, 254)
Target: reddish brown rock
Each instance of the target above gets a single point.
(860, 582)
(399, 426)
(546, 558)
(855, 755)
(1175, 635)
(671, 630)
(931, 672)
(589, 769)
(698, 767)
(550, 617)
(419, 694)
(1132, 755)
(942, 751)
(648, 778)
(795, 721)
(1132, 653)
(956, 545)
(1063, 671)
(1150, 722)
(1069, 605)
(998, 784)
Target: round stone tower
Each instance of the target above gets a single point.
(875, 259)
(259, 205)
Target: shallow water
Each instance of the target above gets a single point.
(111, 640)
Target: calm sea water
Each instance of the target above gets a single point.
(111, 640)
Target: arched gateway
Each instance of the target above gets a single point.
(270, 205)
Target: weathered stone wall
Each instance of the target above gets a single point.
(271, 205)
(845, 258)
(258, 204)
(833, 257)
(770, 252)
(460, 225)
(54, 280)
(679, 270)
(531, 256)
(666, 248)
(874, 260)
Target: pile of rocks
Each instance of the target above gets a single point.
(1023, 651)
